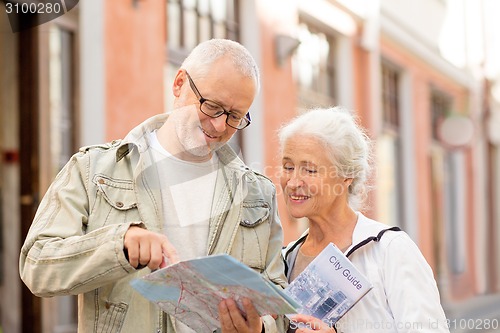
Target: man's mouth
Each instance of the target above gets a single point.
(210, 136)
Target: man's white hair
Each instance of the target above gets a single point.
(206, 53)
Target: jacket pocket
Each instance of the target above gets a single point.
(252, 239)
(115, 202)
(254, 213)
(112, 318)
(118, 193)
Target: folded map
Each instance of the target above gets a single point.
(192, 290)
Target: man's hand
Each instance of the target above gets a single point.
(147, 248)
(232, 320)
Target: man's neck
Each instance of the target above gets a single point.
(171, 144)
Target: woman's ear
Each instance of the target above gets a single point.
(348, 181)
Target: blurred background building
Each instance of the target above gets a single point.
(423, 76)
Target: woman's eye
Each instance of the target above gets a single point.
(287, 167)
(311, 171)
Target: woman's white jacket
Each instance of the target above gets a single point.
(404, 298)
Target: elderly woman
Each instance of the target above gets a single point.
(325, 164)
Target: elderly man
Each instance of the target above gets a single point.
(171, 189)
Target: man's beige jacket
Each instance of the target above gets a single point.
(75, 244)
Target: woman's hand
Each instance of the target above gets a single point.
(233, 321)
(306, 324)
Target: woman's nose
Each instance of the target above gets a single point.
(294, 181)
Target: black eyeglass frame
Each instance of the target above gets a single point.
(246, 120)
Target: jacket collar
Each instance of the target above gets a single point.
(137, 138)
(364, 229)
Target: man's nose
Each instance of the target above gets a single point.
(219, 123)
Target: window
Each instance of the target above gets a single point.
(455, 208)
(440, 108)
(59, 120)
(313, 67)
(61, 96)
(494, 166)
(191, 21)
(390, 194)
(390, 96)
(449, 188)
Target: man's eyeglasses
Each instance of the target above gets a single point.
(215, 110)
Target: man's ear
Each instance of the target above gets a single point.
(179, 80)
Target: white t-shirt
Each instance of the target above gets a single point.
(187, 191)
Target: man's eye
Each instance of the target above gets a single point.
(212, 106)
(235, 117)
(287, 167)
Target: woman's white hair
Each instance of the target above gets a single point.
(206, 53)
(346, 143)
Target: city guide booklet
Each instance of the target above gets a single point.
(329, 286)
(191, 290)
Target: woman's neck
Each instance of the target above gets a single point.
(336, 228)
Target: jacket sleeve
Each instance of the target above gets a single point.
(411, 289)
(58, 256)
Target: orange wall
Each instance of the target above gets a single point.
(278, 93)
(134, 62)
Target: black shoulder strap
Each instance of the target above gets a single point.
(297, 243)
(373, 238)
